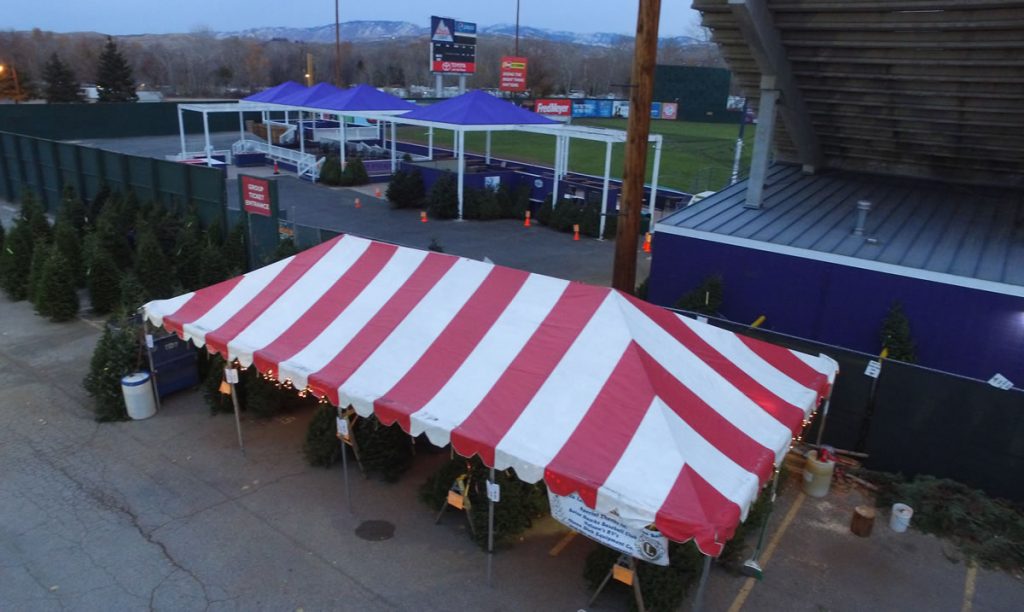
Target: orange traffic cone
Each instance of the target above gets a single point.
(276, 169)
(358, 203)
(576, 231)
(527, 222)
(423, 216)
(647, 242)
(376, 193)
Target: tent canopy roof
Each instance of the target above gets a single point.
(271, 95)
(646, 414)
(365, 98)
(477, 108)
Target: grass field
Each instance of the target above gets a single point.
(695, 156)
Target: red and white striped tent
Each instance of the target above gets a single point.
(648, 415)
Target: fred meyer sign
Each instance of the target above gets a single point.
(255, 195)
(555, 107)
(644, 544)
(513, 74)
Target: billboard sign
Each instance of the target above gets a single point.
(591, 108)
(655, 110)
(256, 197)
(452, 46)
(669, 110)
(513, 74)
(620, 108)
(553, 107)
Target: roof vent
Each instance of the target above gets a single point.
(862, 217)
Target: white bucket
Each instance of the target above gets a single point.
(900, 519)
(138, 395)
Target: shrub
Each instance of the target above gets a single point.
(566, 214)
(32, 212)
(188, 257)
(443, 202)
(705, 299)
(213, 267)
(435, 246)
(354, 173)
(513, 204)
(481, 204)
(235, 249)
(544, 212)
(322, 447)
(263, 398)
(35, 272)
(330, 173)
(590, 219)
(57, 296)
(72, 211)
(116, 355)
(385, 450)
(406, 190)
(132, 293)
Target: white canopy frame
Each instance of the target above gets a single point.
(563, 134)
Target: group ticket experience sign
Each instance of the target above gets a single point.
(644, 544)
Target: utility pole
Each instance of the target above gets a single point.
(337, 46)
(517, 29)
(637, 131)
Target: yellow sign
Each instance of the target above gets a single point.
(622, 574)
(225, 388)
(454, 499)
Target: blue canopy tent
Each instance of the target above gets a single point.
(365, 101)
(272, 94)
(473, 111)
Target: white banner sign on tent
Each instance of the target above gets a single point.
(644, 544)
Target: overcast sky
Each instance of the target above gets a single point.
(141, 16)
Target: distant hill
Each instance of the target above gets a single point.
(372, 31)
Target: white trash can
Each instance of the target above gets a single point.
(138, 395)
(899, 520)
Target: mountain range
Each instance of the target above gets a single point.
(373, 31)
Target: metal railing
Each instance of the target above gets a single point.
(306, 164)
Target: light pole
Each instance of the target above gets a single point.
(517, 29)
(337, 46)
(17, 85)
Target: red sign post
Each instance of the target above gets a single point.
(256, 197)
(513, 74)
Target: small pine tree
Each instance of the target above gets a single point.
(406, 190)
(330, 173)
(16, 261)
(263, 398)
(72, 211)
(57, 297)
(435, 246)
(217, 401)
(705, 299)
(3, 236)
(663, 587)
(117, 354)
(385, 450)
(355, 173)
(152, 267)
(66, 239)
(188, 257)
(35, 275)
(103, 281)
(285, 249)
(215, 234)
(443, 202)
(322, 447)
(114, 76)
(61, 83)
(132, 294)
(895, 335)
(213, 267)
(34, 215)
(235, 249)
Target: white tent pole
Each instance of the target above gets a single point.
(604, 188)
(487, 148)
(558, 160)
(241, 125)
(266, 124)
(824, 416)
(654, 181)
(565, 158)
(430, 143)
(394, 152)
(206, 137)
(461, 140)
(455, 142)
(699, 599)
(302, 134)
(181, 131)
(238, 419)
(490, 524)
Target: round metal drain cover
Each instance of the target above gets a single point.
(376, 531)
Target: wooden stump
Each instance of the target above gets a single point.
(863, 521)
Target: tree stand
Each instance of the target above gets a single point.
(458, 496)
(623, 570)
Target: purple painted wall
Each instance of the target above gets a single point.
(966, 331)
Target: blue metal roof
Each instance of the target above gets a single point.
(966, 231)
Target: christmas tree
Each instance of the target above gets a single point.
(114, 76)
(61, 83)
(322, 447)
(56, 296)
(152, 268)
(117, 354)
(103, 281)
(213, 267)
(895, 335)
(443, 202)
(705, 299)
(65, 238)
